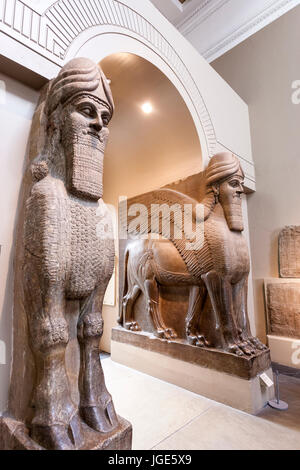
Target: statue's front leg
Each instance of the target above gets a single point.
(54, 424)
(96, 405)
(152, 299)
(240, 295)
(196, 297)
(220, 292)
(128, 309)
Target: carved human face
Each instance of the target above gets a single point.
(84, 137)
(230, 197)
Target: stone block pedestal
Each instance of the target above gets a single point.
(15, 436)
(223, 377)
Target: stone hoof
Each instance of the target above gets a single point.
(258, 344)
(246, 348)
(170, 333)
(167, 333)
(101, 419)
(234, 349)
(192, 339)
(252, 347)
(202, 342)
(134, 326)
(55, 437)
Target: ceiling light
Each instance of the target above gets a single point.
(147, 108)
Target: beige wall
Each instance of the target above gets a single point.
(261, 70)
(17, 103)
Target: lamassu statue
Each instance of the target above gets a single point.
(216, 272)
(69, 258)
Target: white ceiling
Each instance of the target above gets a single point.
(216, 26)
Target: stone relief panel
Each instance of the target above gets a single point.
(283, 307)
(282, 296)
(289, 252)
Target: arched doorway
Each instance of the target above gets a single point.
(146, 150)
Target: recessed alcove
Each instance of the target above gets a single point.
(145, 150)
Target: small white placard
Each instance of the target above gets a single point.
(266, 380)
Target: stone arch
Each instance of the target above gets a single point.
(74, 29)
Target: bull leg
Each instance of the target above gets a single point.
(220, 292)
(96, 405)
(128, 303)
(152, 298)
(55, 424)
(196, 295)
(240, 293)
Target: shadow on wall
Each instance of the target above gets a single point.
(6, 321)
(7, 314)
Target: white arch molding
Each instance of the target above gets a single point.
(97, 28)
(104, 44)
(42, 35)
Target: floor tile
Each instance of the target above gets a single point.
(155, 408)
(223, 428)
(168, 417)
(290, 393)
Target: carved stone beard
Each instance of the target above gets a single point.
(84, 154)
(232, 208)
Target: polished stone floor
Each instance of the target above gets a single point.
(167, 417)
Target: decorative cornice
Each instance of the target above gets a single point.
(206, 9)
(237, 33)
(249, 28)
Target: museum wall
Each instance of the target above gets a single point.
(17, 103)
(262, 70)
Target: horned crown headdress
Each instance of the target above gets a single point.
(221, 166)
(79, 76)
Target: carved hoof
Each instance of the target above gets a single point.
(234, 349)
(192, 339)
(100, 419)
(135, 326)
(54, 437)
(202, 342)
(167, 333)
(258, 344)
(132, 326)
(246, 348)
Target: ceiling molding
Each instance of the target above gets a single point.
(216, 26)
(267, 16)
(199, 15)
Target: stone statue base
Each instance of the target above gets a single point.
(220, 376)
(15, 436)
